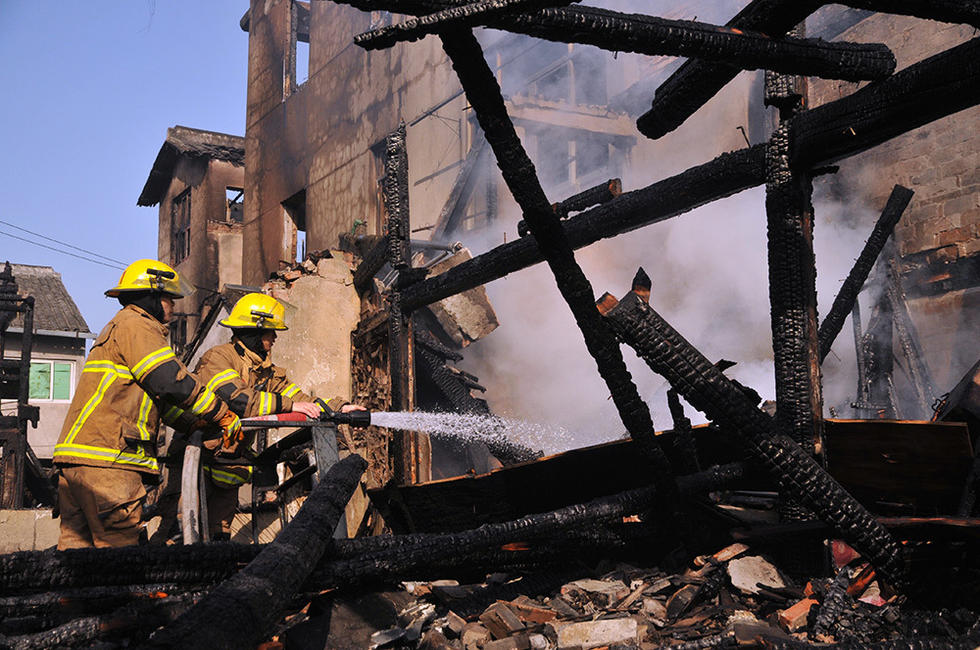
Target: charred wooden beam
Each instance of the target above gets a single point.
(601, 193)
(462, 188)
(240, 611)
(798, 474)
(484, 95)
(620, 32)
(733, 172)
(697, 81)
(684, 441)
(883, 110)
(792, 276)
(373, 258)
(405, 444)
(727, 174)
(455, 17)
(877, 396)
(846, 300)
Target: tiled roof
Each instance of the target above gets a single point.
(195, 143)
(53, 307)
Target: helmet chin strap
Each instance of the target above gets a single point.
(148, 301)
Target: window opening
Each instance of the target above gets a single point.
(50, 380)
(180, 213)
(234, 204)
(294, 228)
(296, 66)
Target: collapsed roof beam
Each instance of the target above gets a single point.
(697, 81)
(878, 112)
(704, 386)
(483, 94)
(620, 32)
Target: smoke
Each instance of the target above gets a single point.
(709, 268)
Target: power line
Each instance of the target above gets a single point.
(87, 259)
(13, 225)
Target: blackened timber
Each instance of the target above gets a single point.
(462, 188)
(372, 260)
(792, 276)
(933, 88)
(466, 15)
(601, 193)
(641, 34)
(239, 612)
(739, 170)
(398, 245)
(708, 390)
(908, 341)
(846, 299)
(724, 176)
(697, 80)
(484, 95)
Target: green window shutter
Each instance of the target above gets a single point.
(62, 381)
(40, 380)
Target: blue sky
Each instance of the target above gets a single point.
(89, 90)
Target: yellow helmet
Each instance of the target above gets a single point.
(149, 275)
(257, 310)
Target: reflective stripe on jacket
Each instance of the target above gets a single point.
(129, 374)
(251, 386)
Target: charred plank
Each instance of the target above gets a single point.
(240, 611)
(616, 31)
(484, 95)
(846, 300)
(798, 474)
(601, 193)
(373, 259)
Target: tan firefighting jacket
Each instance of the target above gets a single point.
(251, 386)
(129, 377)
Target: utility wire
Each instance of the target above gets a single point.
(57, 250)
(37, 234)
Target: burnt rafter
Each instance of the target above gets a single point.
(484, 95)
(697, 81)
(953, 75)
(621, 32)
(601, 193)
(846, 299)
(704, 386)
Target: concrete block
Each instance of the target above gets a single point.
(747, 572)
(465, 317)
(595, 634)
(28, 530)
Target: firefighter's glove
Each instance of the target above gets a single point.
(231, 430)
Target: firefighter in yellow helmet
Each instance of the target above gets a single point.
(242, 374)
(130, 380)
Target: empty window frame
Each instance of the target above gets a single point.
(234, 204)
(294, 228)
(296, 66)
(180, 214)
(51, 380)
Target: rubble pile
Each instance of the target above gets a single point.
(732, 598)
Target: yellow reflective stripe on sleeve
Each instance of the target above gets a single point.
(107, 366)
(221, 378)
(266, 403)
(204, 402)
(228, 478)
(291, 390)
(152, 360)
(144, 416)
(104, 454)
(108, 377)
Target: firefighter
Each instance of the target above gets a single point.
(131, 378)
(242, 374)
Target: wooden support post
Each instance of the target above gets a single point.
(410, 453)
(792, 276)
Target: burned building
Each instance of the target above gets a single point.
(197, 180)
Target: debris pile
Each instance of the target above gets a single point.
(732, 598)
